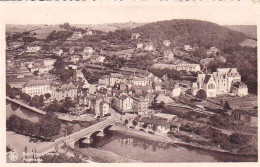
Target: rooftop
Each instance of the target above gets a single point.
(37, 83)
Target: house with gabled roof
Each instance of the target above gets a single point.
(123, 102)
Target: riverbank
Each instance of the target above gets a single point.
(19, 143)
(104, 156)
(160, 138)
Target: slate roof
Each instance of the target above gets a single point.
(37, 83)
(207, 78)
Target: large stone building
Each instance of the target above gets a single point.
(223, 81)
(140, 103)
(123, 102)
(61, 91)
(37, 87)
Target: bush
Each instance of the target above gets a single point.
(201, 94)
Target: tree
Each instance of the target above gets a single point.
(201, 94)
(154, 127)
(68, 103)
(49, 125)
(26, 97)
(47, 95)
(239, 139)
(8, 89)
(68, 129)
(15, 92)
(36, 73)
(134, 123)
(227, 106)
(37, 101)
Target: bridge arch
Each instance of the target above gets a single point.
(108, 127)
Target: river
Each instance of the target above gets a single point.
(151, 151)
(140, 149)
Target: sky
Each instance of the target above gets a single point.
(99, 13)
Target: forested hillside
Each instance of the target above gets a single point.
(192, 32)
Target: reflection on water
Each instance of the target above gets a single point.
(22, 112)
(151, 151)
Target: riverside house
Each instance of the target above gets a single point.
(158, 123)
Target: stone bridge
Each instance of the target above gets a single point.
(86, 134)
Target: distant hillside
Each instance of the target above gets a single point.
(250, 43)
(249, 30)
(41, 31)
(111, 26)
(192, 32)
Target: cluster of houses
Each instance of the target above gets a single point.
(58, 90)
(129, 90)
(157, 123)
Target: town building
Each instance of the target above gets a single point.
(139, 46)
(88, 50)
(37, 87)
(141, 81)
(49, 62)
(140, 104)
(240, 89)
(135, 36)
(168, 55)
(33, 48)
(75, 58)
(167, 43)
(123, 102)
(187, 48)
(149, 47)
(89, 32)
(104, 80)
(101, 107)
(179, 67)
(61, 91)
(116, 78)
(220, 82)
(163, 98)
(158, 123)
(188, 67)
(77, 34)
(176, 91)
(213, 51)
(58, 52)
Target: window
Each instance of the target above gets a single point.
(211, 86)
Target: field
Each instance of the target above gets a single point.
(42, 31)
(249, 30)
(249, 42)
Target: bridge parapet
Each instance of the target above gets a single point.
(87, 132)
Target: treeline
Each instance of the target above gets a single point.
(62, 107)
(60, 71)
(118, 36)
(58, 35)
(93, 76)
(47, 127)
(235, 142)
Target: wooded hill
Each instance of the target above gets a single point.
(191, 32)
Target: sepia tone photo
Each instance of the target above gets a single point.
(143, 89)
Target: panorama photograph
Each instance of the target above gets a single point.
(172, 90)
